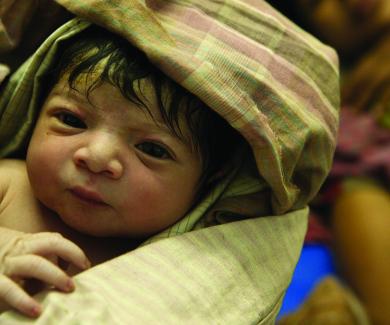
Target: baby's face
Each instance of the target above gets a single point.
(108, 169)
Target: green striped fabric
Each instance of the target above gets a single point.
(270, 80)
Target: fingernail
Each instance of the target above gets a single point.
(69, 285)
(35, 311)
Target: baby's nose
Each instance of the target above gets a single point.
(100, 158)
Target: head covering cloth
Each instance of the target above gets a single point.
(273, 82)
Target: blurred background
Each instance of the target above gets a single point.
(343, 276)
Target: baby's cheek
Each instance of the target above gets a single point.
(43, 166)
(143, 201)
(148, 211)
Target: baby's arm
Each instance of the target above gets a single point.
(30, 255)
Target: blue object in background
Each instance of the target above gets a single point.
(315, 263)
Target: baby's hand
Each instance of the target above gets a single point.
(34, 256)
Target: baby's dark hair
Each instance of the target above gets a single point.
(97, 50)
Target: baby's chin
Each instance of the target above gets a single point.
(95, 228)
(88, 230)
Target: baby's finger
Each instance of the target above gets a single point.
(15, 297)
(46, 244)
(37, 267)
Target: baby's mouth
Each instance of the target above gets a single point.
(87, 196)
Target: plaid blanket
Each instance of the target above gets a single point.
(270, 80)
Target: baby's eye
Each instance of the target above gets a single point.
(71, 120)
(153, 149)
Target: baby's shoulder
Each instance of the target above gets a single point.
(12, 173)
(19, 209)
(12, 166)
(11, 169)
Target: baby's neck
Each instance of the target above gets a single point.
(97, 249)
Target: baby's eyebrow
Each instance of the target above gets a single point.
(77, 95)
(71, 93)
(141, 126)
(162, 127)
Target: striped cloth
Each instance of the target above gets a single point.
(270, 80)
